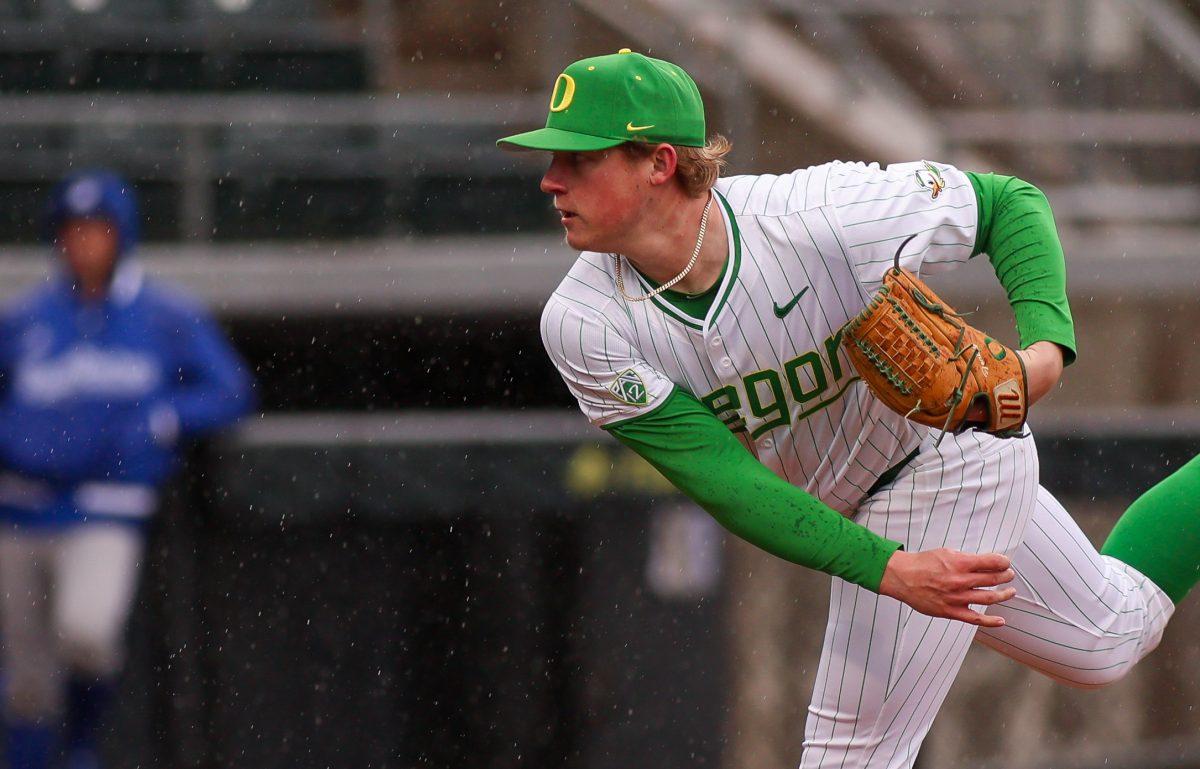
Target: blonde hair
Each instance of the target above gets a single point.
(697, 168)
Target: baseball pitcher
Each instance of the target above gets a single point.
(766, 343)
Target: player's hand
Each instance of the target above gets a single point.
(1043, 368)
(944, 583)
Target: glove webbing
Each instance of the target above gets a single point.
(884, 367)
(954, 319)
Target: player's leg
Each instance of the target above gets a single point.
(1085, 618)
(885, 669)
(32, 698)
(883, 674)
(1159, 535)
(97, 571)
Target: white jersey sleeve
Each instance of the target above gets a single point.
(605, 372)
(877, 209)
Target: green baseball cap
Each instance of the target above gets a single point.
(604, 101)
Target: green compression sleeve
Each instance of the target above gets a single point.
(697, 453)
(1017, 232)
(1159, 535)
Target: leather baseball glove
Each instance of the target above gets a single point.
(924, 361)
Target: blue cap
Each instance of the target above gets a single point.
(94, 195)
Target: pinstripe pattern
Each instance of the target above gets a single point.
(810, 231)
(1082, 618)
(831, 232)
(885, 669)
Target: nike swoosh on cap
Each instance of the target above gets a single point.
(632, 127)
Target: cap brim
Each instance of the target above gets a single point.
(556, 140)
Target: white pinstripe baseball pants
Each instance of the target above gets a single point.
(885, 669)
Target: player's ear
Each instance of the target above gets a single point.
(663, 163)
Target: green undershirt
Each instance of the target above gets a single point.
(697, 453)
(1016, 230)
(1159, 535)
(695, 305)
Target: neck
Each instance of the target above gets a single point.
(92, 292)
(663, 251)
(92, 288)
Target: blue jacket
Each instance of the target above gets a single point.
(94, 397)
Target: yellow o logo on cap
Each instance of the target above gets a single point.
(568, 93)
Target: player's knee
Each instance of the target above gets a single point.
(89, 651)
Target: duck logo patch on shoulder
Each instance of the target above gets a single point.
(930, 177)
(629, 388)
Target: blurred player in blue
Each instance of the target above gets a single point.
(102, 373)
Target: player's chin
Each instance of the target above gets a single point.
(577, 239)
(581, 237)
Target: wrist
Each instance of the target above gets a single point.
(1052, 351)
(1044, 361)
(891, 582)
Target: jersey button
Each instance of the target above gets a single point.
(716, 341)
(767, 443)
(726, 363)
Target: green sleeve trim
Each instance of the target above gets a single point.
(1016, 230)
(663, 404)
(697, 453)
(695, 309)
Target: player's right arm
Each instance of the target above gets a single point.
(684, 441)
(211, 387)
(702, 458)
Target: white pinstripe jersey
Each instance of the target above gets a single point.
(807, 251)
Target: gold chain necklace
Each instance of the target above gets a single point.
(691, 263)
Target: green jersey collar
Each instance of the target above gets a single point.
(733, 262)
(683, 309)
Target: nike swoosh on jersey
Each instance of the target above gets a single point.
(632, 127)
(781, 312)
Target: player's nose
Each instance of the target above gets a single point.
(552, 180)
(551, 185)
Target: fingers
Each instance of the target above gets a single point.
(963, 612)
(984, 561)
(951, 584)
(992, 578)
(975, 618)
(987, 570)
(987, 597)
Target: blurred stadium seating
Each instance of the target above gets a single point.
(371, 119)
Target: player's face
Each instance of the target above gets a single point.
(598, 196)
(90, 248)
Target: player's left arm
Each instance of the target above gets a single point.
(699, 455)
(211, 387)
(950, 216)
(1016, 230)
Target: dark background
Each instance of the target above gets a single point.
(500, 632)
(447, 606)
